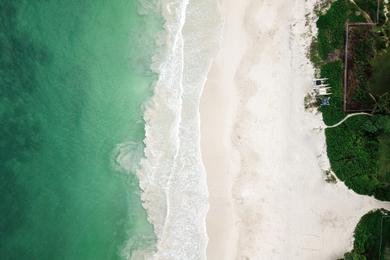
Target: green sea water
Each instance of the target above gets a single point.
(73, 77)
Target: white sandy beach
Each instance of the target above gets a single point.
(264, 160)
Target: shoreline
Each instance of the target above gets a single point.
(171, 175)
(259, 147)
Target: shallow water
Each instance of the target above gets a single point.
(172, 175)
(73, 77)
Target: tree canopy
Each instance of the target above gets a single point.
(380, 81)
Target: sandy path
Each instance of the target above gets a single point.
(347, 117)
(268, 196)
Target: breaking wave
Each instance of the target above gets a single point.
(171, 174)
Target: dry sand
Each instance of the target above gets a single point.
(264, 159)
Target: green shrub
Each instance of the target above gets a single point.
(368, 243)
(380, 81)
(384, 165)
(353, 147)
(331, 28)
(353, 154)
(334, 112)
(370, 7)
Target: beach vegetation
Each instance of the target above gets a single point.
(314, 54)
(380, 80)
(331, 29)
(359, 148)
(311, 102)
(330, 178)
(371, 7)
(371, 237)
(361, 51)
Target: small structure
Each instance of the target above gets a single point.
(325, 101)
(323, 91)
(321, 87)
(322, 82)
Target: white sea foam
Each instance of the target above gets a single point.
(127, 156)
(171, 175)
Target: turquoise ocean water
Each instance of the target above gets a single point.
(73, 77)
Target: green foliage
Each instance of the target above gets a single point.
(380, 81)
(369, 127)
(353, 154)
(331, 28)
(314, 55)
(370, 7)
(353, 147)
(383, 191)
(362, 51)
(378, 124)
(359, 154)
(354, 256)
(368, 232)
(334, 71)
(382, 105)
